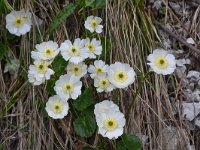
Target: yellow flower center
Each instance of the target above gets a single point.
(110, 124)
(48, 52)
(57, 107)
(99, 70)
(74, 51)
(161, 62)
(19, 21)
(94, 23)
(91, 47)
(76, 70)
(120, 76)
(68, 87)
(104, 83)
(42, 67)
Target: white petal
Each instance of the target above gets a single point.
(99, 29)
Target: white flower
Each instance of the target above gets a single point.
(18, 22)
(78, 70)
(92, 23)
(111, 124)
(56, 107)
(98, 68)
(102, 83)
(105, 106)
(39, 72)
(68, 86)
(121, 75)
(162, 62)
(94, 47)
(45, 51)
(32, 78)
(75, 52)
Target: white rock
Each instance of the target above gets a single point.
(191, 147)
(196, 95)
(193, 74)
(192, 96)
(190, 110)
(180, 71)
(174, 5)
(182, 62)
(167, 43)
(176, 52)
(157, 4)
(169, 27)
(188, 61)
(171, 138)
(197, 122)
(190, 41)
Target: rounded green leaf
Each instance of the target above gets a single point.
(120, 146)
(59, 65)
(85, 100)
(85, 126)
(131, 142)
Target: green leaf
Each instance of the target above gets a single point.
(85, 100)
(41, 106)
(100, 3)
(59, 65)
(131, 142)
(139, 2)
(88, 111)
(61, 17)
(120, 146)
(89, 3)
(50, 87)
(3, 51)
(85, 126)
(5, 7)
(95, 3)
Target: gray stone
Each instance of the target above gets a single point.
(171, 138)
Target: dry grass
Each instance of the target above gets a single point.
(24, 125)
(132, 38)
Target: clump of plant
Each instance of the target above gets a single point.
(64, 67)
